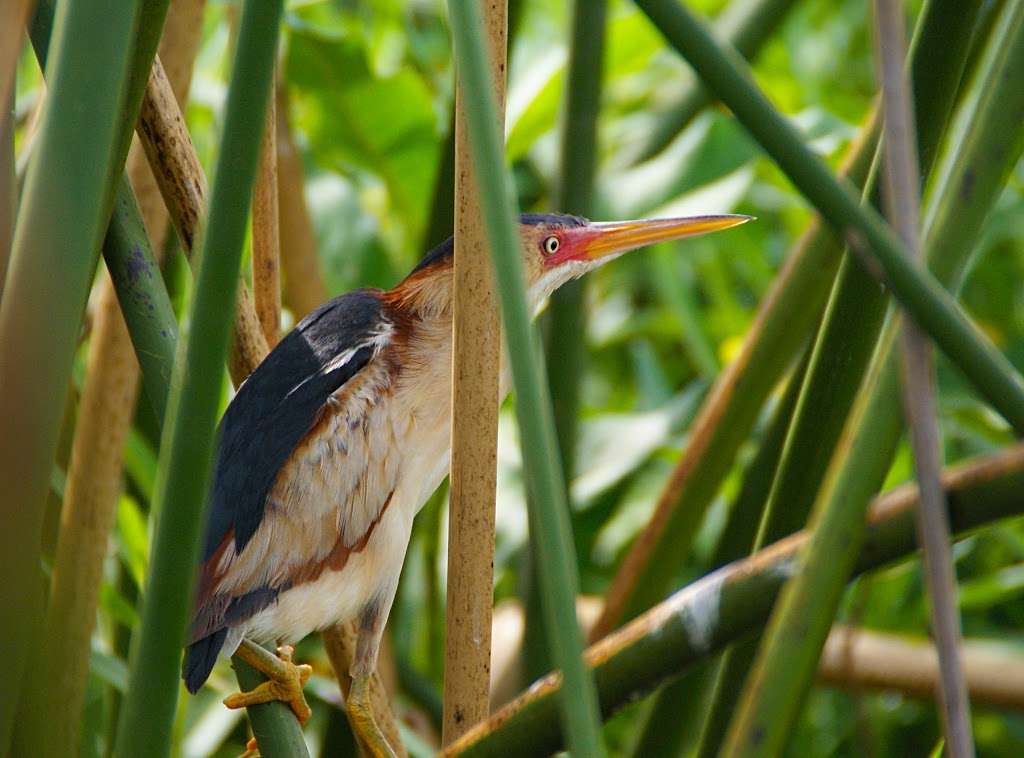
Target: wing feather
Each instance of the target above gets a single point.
(285, 419)
(280, 402)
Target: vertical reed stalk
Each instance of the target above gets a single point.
(266, 242)
(182, 183)
(51, 268)
(192, 409)
(550, 531)
(903, 208)
(90, 498)
(476, 349)
(566, 316)
(94, 476)
(8, 185)
(575, 194)
(304, 286)
(12, 26)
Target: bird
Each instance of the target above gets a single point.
(332, 445)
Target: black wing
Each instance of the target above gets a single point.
(279, 403)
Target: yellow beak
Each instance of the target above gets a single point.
(602, 239)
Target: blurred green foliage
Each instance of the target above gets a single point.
(370, 84)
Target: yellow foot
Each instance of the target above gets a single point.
(285, 684)
(360, 714)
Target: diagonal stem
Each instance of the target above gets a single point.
(918, 291)
(903, 207)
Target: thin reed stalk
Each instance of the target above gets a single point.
(12, 25)
(90, 498)
(50, 271)
(182, 182)
(550, 530)
(266, 241)
(575, 194)
(901, 191)
(8, 185)
(304, 287)
(564, 348)
(476, 351)
(192, 408)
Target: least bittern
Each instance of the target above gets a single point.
(332, 446)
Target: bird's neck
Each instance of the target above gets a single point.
(424, 295)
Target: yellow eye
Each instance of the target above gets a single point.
(551, 245)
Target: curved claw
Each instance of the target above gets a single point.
(285, 684)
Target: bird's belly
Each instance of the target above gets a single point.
(337, 596)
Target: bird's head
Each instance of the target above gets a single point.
(556, 248)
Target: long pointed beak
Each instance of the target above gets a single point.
(603, 239)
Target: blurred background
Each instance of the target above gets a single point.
(365, 99)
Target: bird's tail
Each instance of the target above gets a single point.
(199, 659)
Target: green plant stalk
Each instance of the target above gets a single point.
(745, 25)
(564, 348)
(735, 542)
(971, 173)
(575, 194)
(188, 443)
(676, 712)
(441, 221)
(144, 301)
(879, 250)
(902, 194)
(126, 248)
(273, 725)
(680, 631)
(60, 224)
(149, 27)
(442, 209)
(549, 519)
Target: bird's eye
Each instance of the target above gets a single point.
(551, 245)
